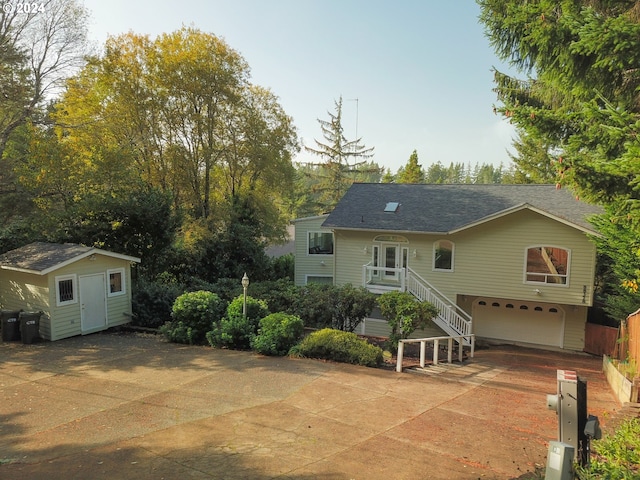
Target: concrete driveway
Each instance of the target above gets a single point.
(130, 406)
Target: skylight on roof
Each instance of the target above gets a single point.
(391, 206)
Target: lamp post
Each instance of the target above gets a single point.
(245, 284)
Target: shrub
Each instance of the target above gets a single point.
(234, 330)
(350, 306)
(278, 332)
(280, 294)
(152, 301)
(405, 315)
(314, 304)
(615, 456)
(192, 315)
(339, 346)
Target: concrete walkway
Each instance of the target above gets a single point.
(130, 406)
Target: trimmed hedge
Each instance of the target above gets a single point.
(339, 346)
(277, 334)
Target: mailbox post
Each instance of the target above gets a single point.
(575, 427)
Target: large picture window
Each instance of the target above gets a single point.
(443, 255)
(320, 243)
(66, 290)
(547, 265)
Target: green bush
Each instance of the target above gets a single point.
(278, 332)
(405, 315)
(350, 306)
(314, 304)
(192, 316)
(339, 346)
(234, 330)
(615, 456)
(152, 301)
(280, 294)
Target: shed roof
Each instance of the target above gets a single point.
(428, 208)
(42, 257)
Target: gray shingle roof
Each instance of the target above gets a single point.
(446, 208)
(42, 257)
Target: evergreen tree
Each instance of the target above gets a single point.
(336, 172)
(412, 172)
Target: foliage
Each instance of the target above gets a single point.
(192, 316)
(152, 301)
(283, 267)
(280, 295)
(336, 173)
(350, 306)
(278, 332)
(339, 346)
(617, 263)
(412, 172)
(236, 330)
(615, 456)
(405, 315)
(314, 304)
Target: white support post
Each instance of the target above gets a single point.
(473, 344)
(436, 348)
(460, 349)
(450, 350)
(423, 353)
(400, 355)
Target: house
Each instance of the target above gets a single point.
(79, 289)
(512, 263)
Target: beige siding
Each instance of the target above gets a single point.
(307, 265)
(22, 291)
(489, 260)
(35, 292)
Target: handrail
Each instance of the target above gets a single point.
(447, 309)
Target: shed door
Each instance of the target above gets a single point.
(93, 307)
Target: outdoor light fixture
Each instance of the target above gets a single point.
(245, 284)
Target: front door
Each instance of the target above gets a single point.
(390, 259)
(93, 308)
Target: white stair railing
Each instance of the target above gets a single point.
(450, 317)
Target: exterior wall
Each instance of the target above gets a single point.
(23, 291)
(489, 261)
(306, 264)
(33, 292)
(67, 318)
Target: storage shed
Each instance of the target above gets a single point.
(79, 289)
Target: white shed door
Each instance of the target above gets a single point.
(93, 307)
(516, 321)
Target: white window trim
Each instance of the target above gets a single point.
(124, 282)
(433, 256)
(551, 284)
(74, 286)
(324, 232)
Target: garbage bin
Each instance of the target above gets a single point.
(30, 326)
(10, 325)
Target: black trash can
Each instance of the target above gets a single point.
(10, 325)
(30, 326)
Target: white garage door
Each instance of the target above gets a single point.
(513, 321)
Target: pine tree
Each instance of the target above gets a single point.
(412, 171)
(336, 173)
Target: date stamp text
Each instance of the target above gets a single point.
(23, 7)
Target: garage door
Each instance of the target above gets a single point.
(513, 321)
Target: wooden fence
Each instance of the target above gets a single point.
(629, 340)
(600, 340)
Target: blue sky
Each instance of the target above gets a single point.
(420, 69)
